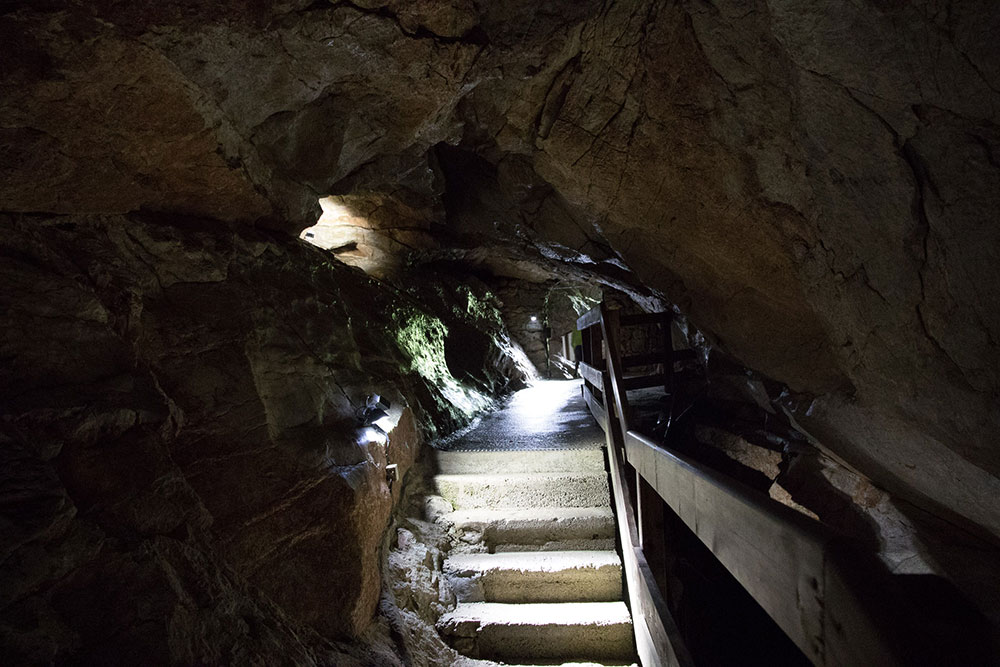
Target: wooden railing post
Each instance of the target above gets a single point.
(610, 328)
(658, 641)
(652, 531)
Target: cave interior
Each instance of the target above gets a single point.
(224, 227)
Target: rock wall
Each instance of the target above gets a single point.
(183, 476)
(812, 183)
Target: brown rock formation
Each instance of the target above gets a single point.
(180, 444)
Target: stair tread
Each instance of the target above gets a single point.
(571, 663)
(571, 544)
(520, 476)
(539, 528)
(576, 460)
(577, 614)
(536, 576)
(526, 489)
(582, 663)
(532, 561)
(486, 515)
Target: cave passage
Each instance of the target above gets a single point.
(225, 227)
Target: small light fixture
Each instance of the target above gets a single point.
(534, 318)
(376, 408)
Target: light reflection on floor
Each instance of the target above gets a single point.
(551, 414)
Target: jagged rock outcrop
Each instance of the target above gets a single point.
(184, 475)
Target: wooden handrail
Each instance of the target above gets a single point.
(646, 381)
(781, 557)
(590, 318)
(794, 567)
(592, 375)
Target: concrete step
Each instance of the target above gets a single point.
(532, 632)
(575, 663)
(504, 462)
(538, 576)
(583, 662)
(551, 489)
(558, 545)
(538, 527)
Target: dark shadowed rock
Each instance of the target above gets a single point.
(179, 410)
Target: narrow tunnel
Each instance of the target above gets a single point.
(322, 323)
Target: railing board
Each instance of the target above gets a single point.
(665, 641)
(645, 381)
(645, 358)
(657, 357)
(596, 408)
(658, 640)
(592, 375)
(791, 565)
(615, 397)
(777, 554)
(590, 318)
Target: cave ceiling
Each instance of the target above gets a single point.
(816, 190)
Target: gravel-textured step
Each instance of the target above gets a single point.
(550, 576)
(559, 662)
(559, 545)
(563, 662)
(504, 462)
(528, 632)
(553, 489)
(537, 527)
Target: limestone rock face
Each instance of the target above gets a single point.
(95, 123)
(180, 442)
(783, 176)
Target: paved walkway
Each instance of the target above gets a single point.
(551, 414)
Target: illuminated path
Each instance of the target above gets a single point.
(551, 414)
(540, 582)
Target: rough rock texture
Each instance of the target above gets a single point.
(812, 183)
(183, 470)
(783, 171)
(416, 591)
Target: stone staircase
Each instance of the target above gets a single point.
(541, 582)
